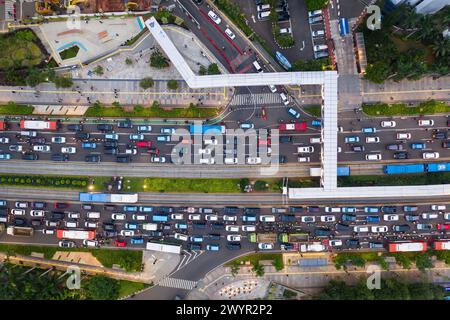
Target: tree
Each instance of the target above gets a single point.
(242, 183)
(157, 60)
(441, 47)
(63, 82)
(98, 70)
(213, 68)
(234, 268)
(34, 77)
(260, 185)
(102, 288)
(146, 83)
(377, 72)
(128, 61)
(172, 84)
(258, 269)
(423, 261)
(202, 71)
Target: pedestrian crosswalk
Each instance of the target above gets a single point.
(258, 98)
(177, 283)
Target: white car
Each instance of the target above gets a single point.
(267, 218)
(71, 224)
(19, 204)
(265, 246)
(232, 228)
(214, 17)
(176, 216)
(195, 217)
(74, 215)
(118, 216)
(41, 148)
(308, 219)
(372, 139)
(403, 136)
(360, 229)
(425, 123)
(58, 139)
(430, 155)
(391, 217)
(388, 124)
(4, 140)
(127, 233)
(90, 243)
(70, 150)
(180, 236)
(373, 157)
(428, 216)
(335, 243)
(207, 161)
(211, 141)
(327, 218)
(90, 224)
(204, 151)
(234, 237)
(230, 33)
(139, 217)
(446, 216)
(18, 212)
(38, 213)
(211, 217)
(438, 207)
(379, 229)
(254, 160)
(229, 218)
(48, 231)
(272, 88)
(248, 228)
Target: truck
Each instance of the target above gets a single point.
(20, 231)
(108, 197)
(404, 168)
(263, 237)
(312, 247)
(75, 234)
(298, 126)
(38, 125)
(293, 237)
(342, 171)
(438, 167)
(3, 126)
(441, 245)
(209, 129)
(164, 247)
(407, 246)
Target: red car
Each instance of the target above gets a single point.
(61, 205)
(120, 243)
(263, 114)
(264, 141)
(445, 226)
(143, 144)
(298, 126)
(152, 150)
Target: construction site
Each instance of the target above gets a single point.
(51, 7)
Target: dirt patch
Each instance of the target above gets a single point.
(77, 257)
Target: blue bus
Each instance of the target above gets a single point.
(202, 129)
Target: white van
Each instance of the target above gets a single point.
(263, 7)
(263, 15)
(93, 215)
(285, 30)
(304, 159)
(231, 161)
(320, 47)
(267, 218)
(361, 229)
(257, 66)
(150, 226)
(373, 156)
(315, 140)
(307, 149)
(180, 236)
(284, 98)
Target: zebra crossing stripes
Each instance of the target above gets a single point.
(177, 283)
(258, 98)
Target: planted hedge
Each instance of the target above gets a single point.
(44, 181)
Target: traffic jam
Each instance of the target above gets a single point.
(299, 228)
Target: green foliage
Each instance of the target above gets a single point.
(69, 53)
(377, 72)
(146, 83)
(278, 263)
(423, 261)
(213, 68)
(394, 180)
(158, 60)
(258, 269)
(312, 65)
(202, 70)
(242, 183)
(261, 185)
(63, 82)
(316, 4)
(20, 49)
(234, 12)
(172, 84)
(101, 288)
(284, 40)
(128, 61)
(234, 268)
(43, 181)
(315, 111)
(289, 294)
(400, 109)
(344, 258)
(98, 70)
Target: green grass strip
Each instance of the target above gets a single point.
(402, 109)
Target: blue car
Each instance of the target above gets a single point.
(213, 247)
(418, 146)
(196, 238)
(351, 139)
(369, 130)
(89, 145)
(371, 209)
(181, 226)
(130, 208)
(293, 113)
(137, 241)
(373, 219)
(316, 123)
(249, 218)
(348, 209)
(163, 138)
(410, 208)
(5, 156)
(131, 226)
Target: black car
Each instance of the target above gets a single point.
(112, 151)
(446, 144)
(82, 136)
(285, 139)
(19, 222)
(287, 246)
(234, 246)
(401, 155)
(343, 227)
(38, 205)
(58, 215)
(198, 2)
(252, 210)
(321, 232)
(110, 144)
(313, 209)
(199, 225)
(103, 127)
(75, 127)
(394, 147)
(352, 243)
(123, 159)
(439, 135)
(388, 209)
(155, 233)
(214, 236)
(165, 209)
(110, 234)
(60, 157)
(288, 218)
(38, 140)
(283, 16)
(109, 207)
(92, 158)
(125, 124)
(30, 156)
(194, 246)
(218, 225)
(358, 148)
(231, 210)
(36, 222)
(295, 209)
(401, 228)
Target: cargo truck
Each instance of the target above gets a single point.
(20, 231)
(263, 237)
(293, 237)
(38, 125)
(407, 246)
(312, 247)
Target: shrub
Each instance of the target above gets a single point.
(98, 70)
(213, 68)
(157, 60)
(146, 83)
(261, 185)
(172, 84)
